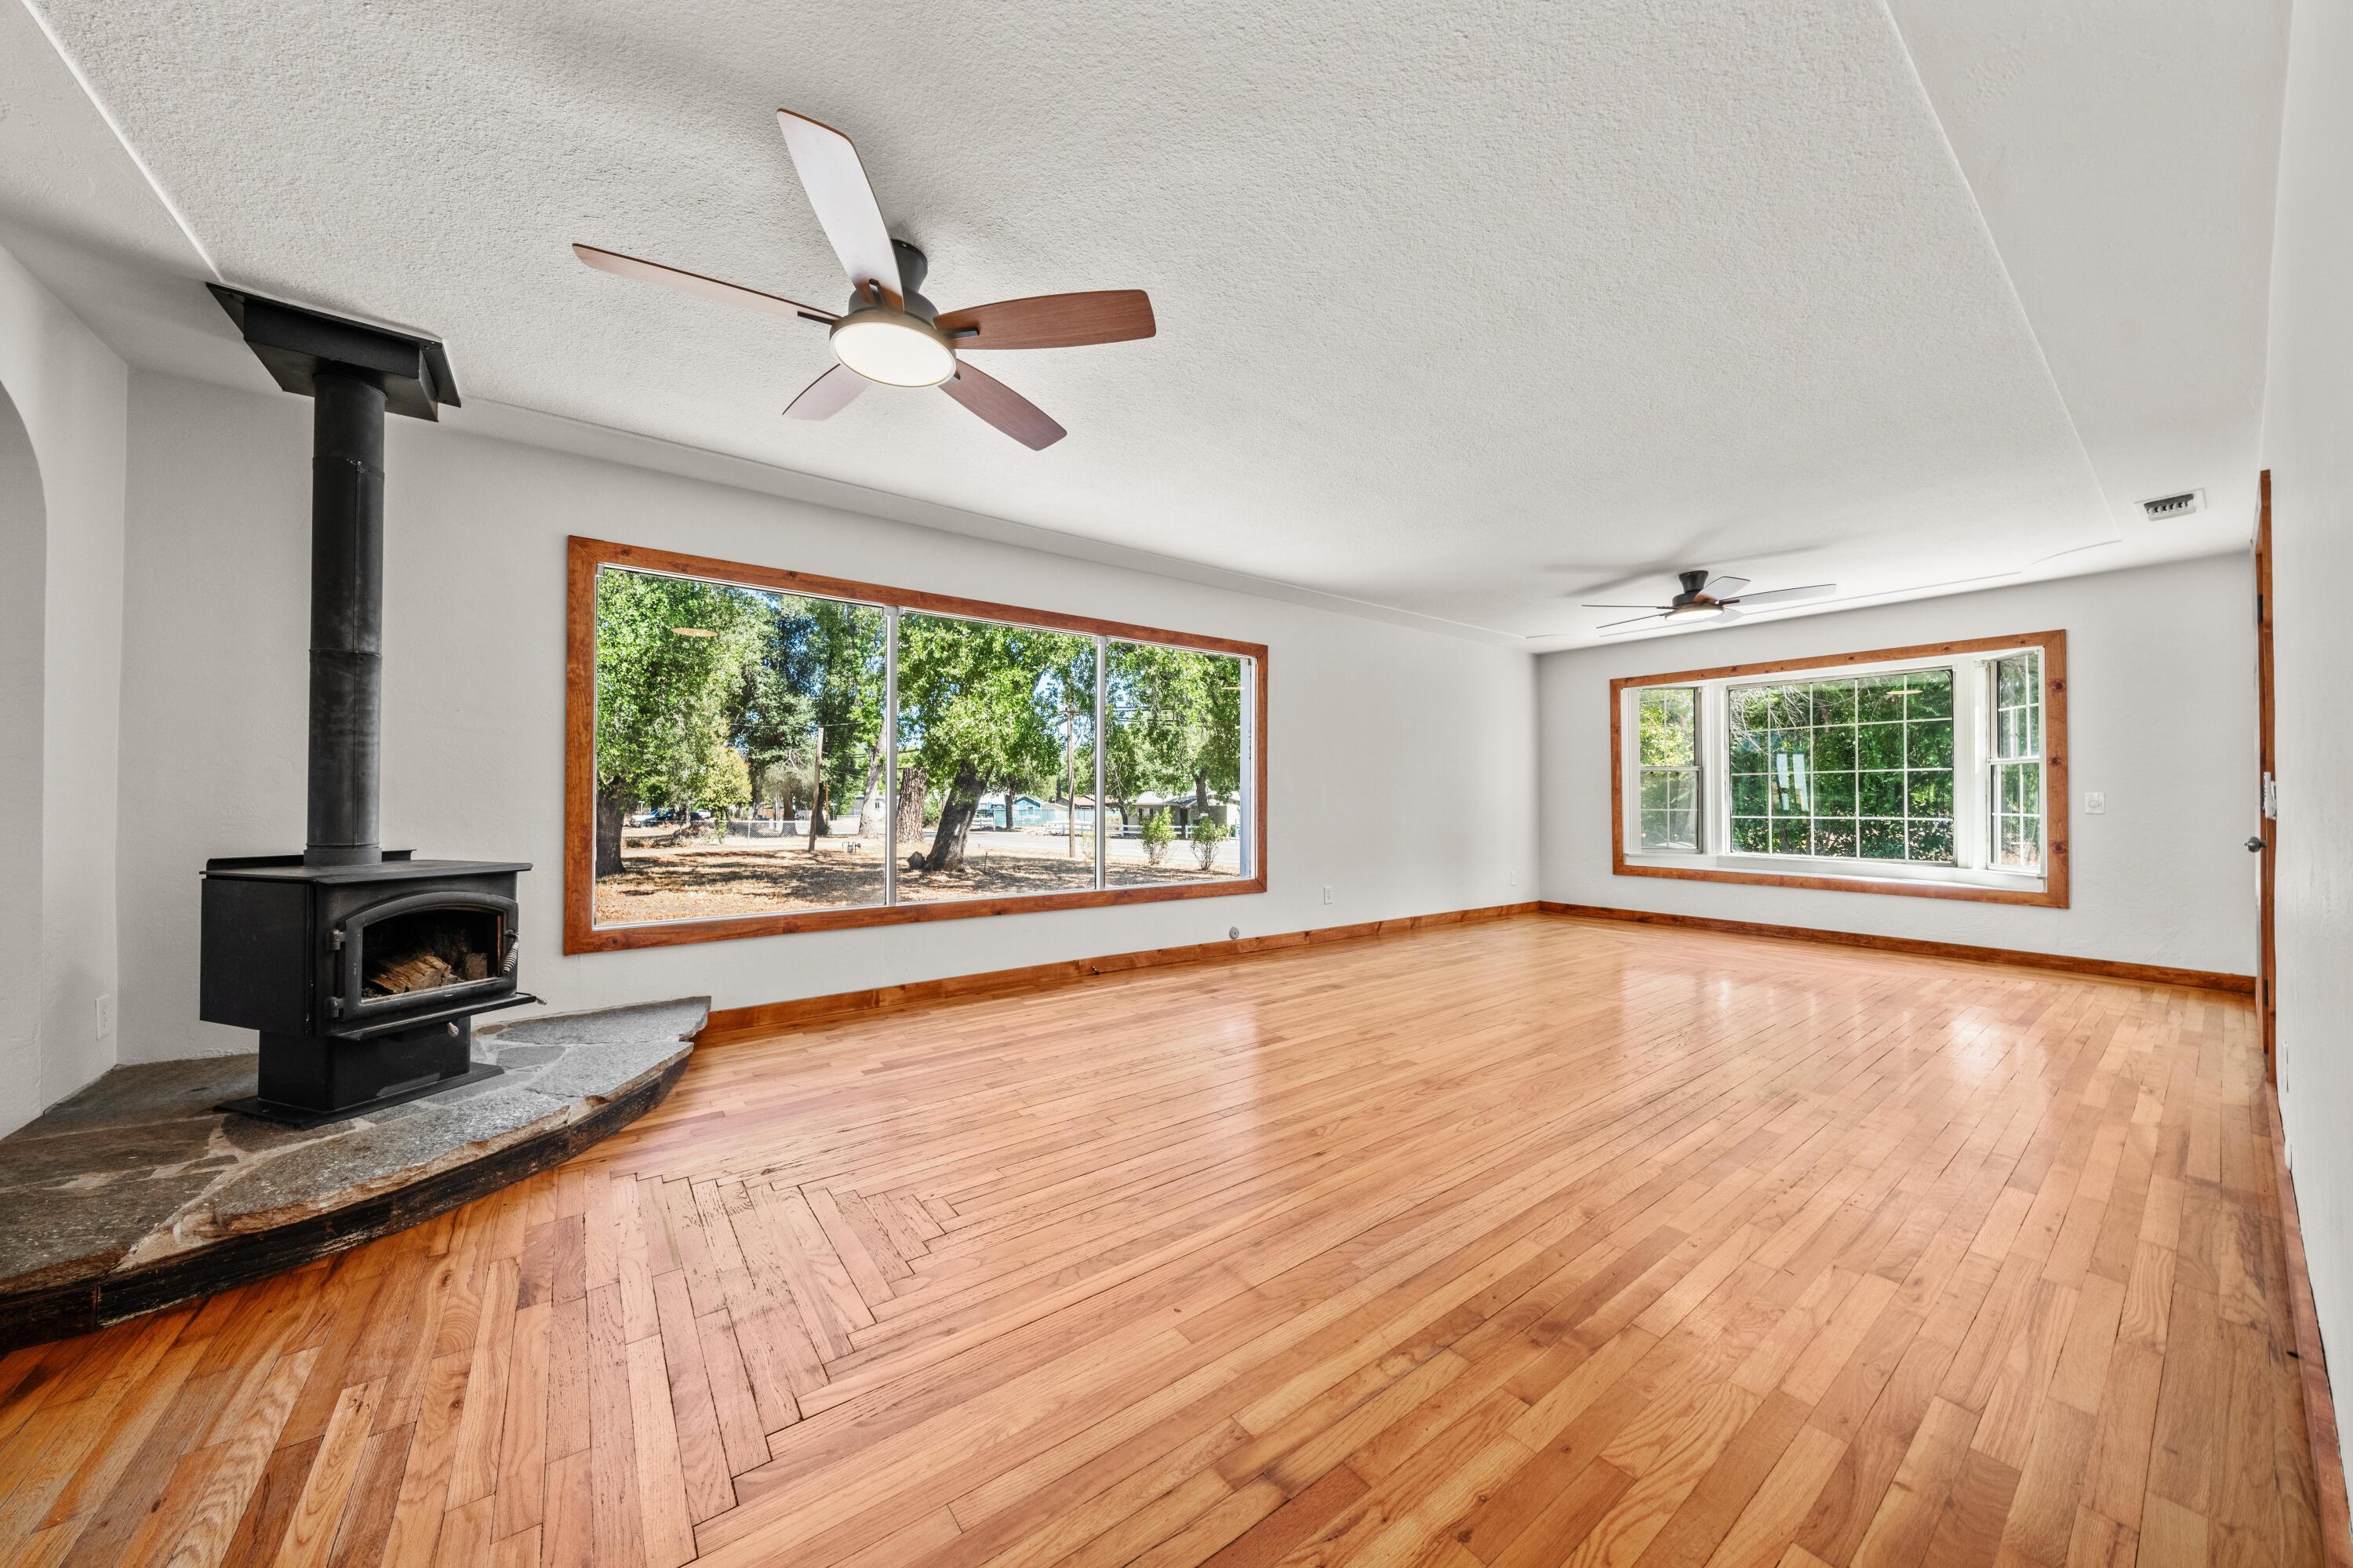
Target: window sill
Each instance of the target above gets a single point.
(1983, 887)
(584, 937)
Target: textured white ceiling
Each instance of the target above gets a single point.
(2125, 156)
(1466, 311)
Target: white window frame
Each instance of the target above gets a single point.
(1972, 776)
(2041, 760)
(1698, 770)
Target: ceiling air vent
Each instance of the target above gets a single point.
(2169, 506)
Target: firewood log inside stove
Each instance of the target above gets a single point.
(422, 972)
(447, 954)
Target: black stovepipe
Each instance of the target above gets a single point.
(346, 618)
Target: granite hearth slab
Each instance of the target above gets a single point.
(136, 1193)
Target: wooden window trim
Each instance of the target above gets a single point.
(581, 932)
(2053, 893)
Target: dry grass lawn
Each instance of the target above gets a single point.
(693, 882)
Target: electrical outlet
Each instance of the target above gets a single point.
(1327, 894)
(106, 1016)
(2095, 804)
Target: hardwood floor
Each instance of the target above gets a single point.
(1532, 1243)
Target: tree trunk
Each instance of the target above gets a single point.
(907, 828)
(1201, 793)
(869, 821)
(610, 809)
(947, 852)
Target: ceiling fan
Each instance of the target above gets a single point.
(1705, 598)
(890, 333)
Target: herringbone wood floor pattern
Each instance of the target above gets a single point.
(1534, 1243)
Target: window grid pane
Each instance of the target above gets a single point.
(1670, 809)
(1852, 769)
(1670, 726)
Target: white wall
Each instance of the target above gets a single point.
(23, 546)
(2308, 446)
(1386, 744)
(68, 392)
(2160, 718)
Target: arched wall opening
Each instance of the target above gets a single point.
(24, 577)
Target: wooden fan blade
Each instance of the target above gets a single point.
(844, 202)
(826, 395)
(1723, 587)
(1053, 321)
(1003, 407)
(622, 266)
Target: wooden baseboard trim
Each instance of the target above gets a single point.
(730, 1023)
(2311, 1363)
(2102, 968)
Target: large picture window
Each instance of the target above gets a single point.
(755, 751)
(1846, 769)
(1909, 770)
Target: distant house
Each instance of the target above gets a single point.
(1026, 812)
(1029, 811)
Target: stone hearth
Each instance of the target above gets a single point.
(138, 1193)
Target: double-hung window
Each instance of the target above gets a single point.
(1917, 770)
(2014, 784)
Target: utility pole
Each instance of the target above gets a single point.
(817, 785)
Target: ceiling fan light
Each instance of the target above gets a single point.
(893, 348)
(1696, 611)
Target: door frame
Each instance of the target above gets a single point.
(2266, 798)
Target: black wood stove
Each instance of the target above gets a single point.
(361, 969)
